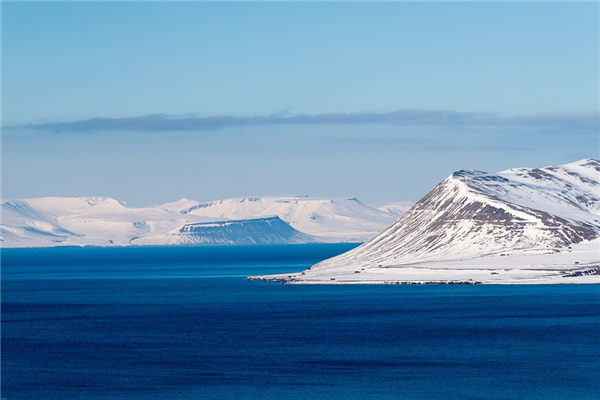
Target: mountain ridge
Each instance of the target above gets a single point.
(471, 218)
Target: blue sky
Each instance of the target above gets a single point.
(379, 101)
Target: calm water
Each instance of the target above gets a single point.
(182, 323)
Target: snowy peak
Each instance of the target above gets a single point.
(473, 219)
(518, 208)
(396, 209)
(570, 191)
(589, 164)
(59, 204)
(178, 206)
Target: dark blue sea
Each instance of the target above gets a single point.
(183, 323)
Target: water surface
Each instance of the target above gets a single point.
(183, 323)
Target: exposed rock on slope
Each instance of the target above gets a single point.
(539, 223)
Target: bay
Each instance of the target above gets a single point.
(184, 323)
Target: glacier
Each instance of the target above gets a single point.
(522, 225)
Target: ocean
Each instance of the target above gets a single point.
(183, 323)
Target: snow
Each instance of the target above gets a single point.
(331, 219)
(104, 221)
(247, 231)
(396, 209)
(523, 225)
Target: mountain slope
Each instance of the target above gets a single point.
(542, 220)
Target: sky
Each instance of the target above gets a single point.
(151, 102)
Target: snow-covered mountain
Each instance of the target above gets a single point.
(519, 225)
(337, 219)
(103, 221)
(270, 230)
(396, 209)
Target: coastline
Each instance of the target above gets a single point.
(586, 274)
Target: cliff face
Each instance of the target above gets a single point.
(254, 231)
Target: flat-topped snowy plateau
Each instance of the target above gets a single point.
(522, 225)
(102, 221)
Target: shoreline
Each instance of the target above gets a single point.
(586, 275)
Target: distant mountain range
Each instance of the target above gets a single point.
(522, 225)
(103, 221)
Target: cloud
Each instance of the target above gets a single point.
(162, 122)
